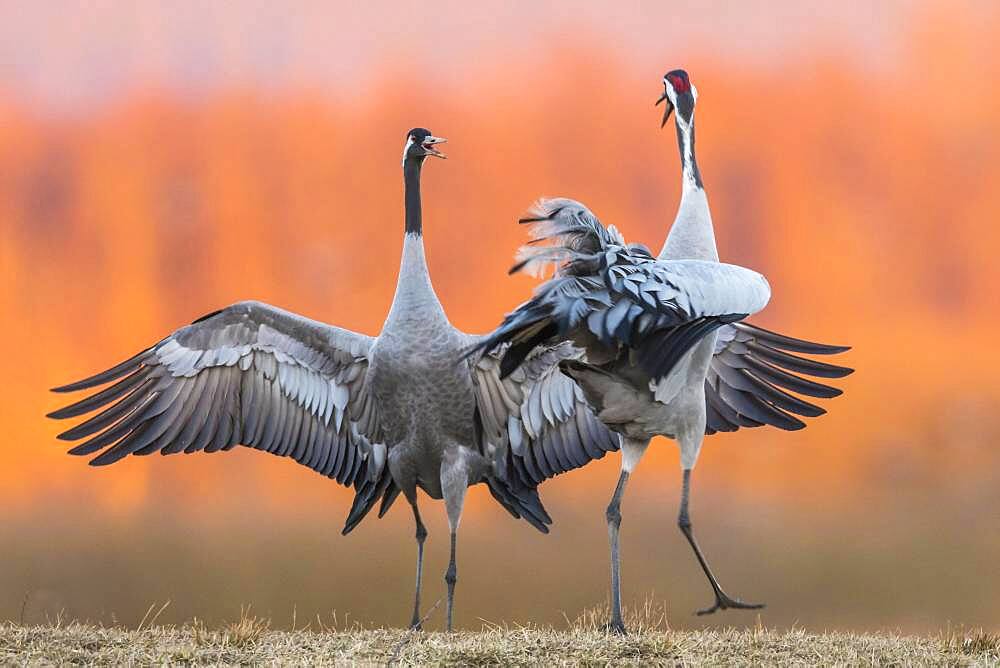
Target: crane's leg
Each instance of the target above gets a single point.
(722, 600)
(632, 452)
(451, 577)
(421, 536)
(454, 483)
(614, 516)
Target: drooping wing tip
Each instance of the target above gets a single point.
(62, 413)
(66, 412)
(81, 450)
(813, 348)
(350, 524)
(78, 385)
(541, 522)
(835, 371)
(114, 373)
(790, 343)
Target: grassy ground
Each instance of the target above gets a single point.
(249, 641)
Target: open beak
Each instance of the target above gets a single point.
(666, 111)
(428, 146)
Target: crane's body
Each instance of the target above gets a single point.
(403, 411)
(426, 396)
(679, 410)
(666, 354)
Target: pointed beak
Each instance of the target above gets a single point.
(428, 146)
(667, 109)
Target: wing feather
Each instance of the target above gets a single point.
(752, 376)
(249, 374)
(541, 414)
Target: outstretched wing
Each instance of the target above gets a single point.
(606, 293)
(250, 374)
(536, 424)
(752, 372)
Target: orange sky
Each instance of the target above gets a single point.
(867, 195)
(72, 56)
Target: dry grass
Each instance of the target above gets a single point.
(249, 641)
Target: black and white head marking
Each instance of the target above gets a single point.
(680, 95)
(420, 144)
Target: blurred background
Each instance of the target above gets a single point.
(160, 160)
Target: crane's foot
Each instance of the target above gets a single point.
(416, 624)
(615, 628)
(724, 602)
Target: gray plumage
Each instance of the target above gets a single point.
(250, 374)
(665, 351)
(388, 415)
(751, 373)
(611, 298)
(539, 414)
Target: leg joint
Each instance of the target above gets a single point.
(613, 514)
(421, 533)
(451, 575)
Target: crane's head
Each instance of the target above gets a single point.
(420, 144)
(678, 93)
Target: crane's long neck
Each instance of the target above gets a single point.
(415, 298)
(411, 184)
(692, 235)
